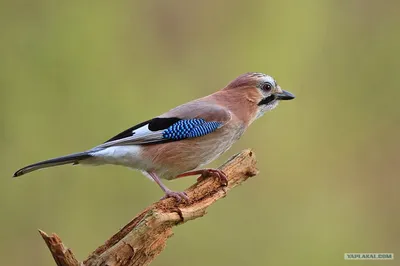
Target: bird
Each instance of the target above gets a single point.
(179, 142)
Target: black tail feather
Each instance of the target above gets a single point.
(72, 158)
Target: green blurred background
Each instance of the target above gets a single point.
(75, 73)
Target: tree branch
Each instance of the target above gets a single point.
(143, 238)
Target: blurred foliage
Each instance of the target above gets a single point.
(72, 74)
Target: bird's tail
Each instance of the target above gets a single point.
(72, 158)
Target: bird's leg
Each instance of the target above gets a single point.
(219, 174)
(169, 193)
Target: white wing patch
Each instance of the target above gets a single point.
(142, 131)
(141, 135)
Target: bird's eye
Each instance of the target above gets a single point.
(267, 86)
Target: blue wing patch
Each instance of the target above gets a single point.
(190, 128)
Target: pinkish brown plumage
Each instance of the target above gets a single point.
(187, 137)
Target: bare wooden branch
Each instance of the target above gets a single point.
(62, 255)
(143, 238)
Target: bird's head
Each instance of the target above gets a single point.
(260, 90)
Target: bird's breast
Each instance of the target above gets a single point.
(173, 158)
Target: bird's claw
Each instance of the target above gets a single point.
(179, 196)
(219, 174)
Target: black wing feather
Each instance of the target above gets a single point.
(155, 124)
(128, 132)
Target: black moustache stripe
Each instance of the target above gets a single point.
(267, 100)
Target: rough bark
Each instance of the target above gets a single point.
(143, 238)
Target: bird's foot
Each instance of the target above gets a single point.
(219, 174)
(179, 196)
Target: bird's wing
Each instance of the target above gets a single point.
(191, 120)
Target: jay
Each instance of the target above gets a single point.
(180, 141)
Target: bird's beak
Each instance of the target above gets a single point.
(284, 95)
